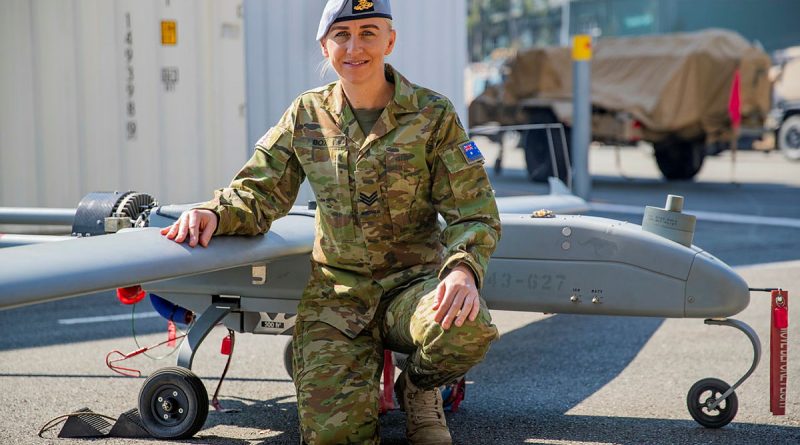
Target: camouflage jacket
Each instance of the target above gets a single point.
(378, 196)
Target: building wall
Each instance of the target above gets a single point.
(773, 23)
(86, 108)
(86, 105)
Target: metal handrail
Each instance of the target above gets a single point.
(494, 129)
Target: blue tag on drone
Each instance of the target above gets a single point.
(471, 152)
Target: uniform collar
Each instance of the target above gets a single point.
(404, 100)
(404, 97)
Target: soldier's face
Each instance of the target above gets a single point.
(356, 48)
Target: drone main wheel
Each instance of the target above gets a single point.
(704, 393)
(173, 403)
(288, 359)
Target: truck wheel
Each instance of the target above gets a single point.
(537, 154)
(789, 138)
(679, 159)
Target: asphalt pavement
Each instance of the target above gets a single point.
(550, 379)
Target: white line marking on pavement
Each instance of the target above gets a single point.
(101, 319)
(732, 218)
(790, 264)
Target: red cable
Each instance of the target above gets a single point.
(131, 372)
(229, 352)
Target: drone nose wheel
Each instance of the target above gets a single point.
(173, 403)
(712, 402)
(702, 401)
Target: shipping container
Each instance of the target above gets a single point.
(168, 96)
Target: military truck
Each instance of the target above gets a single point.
(788, 139)
(676, 91)
(786, 114)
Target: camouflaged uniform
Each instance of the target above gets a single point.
(379, 250)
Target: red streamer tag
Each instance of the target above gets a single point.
(778, 357)
(780, 317)
(387, 399)
(171, 334)
(226, 346)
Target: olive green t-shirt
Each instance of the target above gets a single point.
(367, 117)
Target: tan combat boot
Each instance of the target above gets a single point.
(425, 422)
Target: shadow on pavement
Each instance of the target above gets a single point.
(521, 393)
(556, 363)
(39, 325)
(535, 374)
(535, 428)
(206, 378)
(538, 371)
(275, 422)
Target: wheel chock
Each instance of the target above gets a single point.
(85, 423)
(129, 425)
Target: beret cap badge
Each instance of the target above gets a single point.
(363, 6)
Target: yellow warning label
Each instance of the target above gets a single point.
(169, 32)
(582, 47)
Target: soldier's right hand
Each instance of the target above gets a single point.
(194, 225)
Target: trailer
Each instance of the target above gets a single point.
(689, 94)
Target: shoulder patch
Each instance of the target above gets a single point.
(471, 152)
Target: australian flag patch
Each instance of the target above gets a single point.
(471, 152)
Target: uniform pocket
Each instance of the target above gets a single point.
(407, 192)
(326, 167)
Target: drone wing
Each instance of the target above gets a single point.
(38, 273)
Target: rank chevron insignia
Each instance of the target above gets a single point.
(368, 199)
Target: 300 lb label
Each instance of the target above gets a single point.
(273, 324)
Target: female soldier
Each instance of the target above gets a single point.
(383, 157)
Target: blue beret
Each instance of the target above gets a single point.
(341, 10)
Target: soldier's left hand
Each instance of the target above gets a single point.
(456, 298)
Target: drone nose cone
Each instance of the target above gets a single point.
(713, 289)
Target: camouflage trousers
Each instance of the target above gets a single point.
(338, 378)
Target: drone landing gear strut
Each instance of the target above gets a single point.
(712, 402)
(173, 402)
